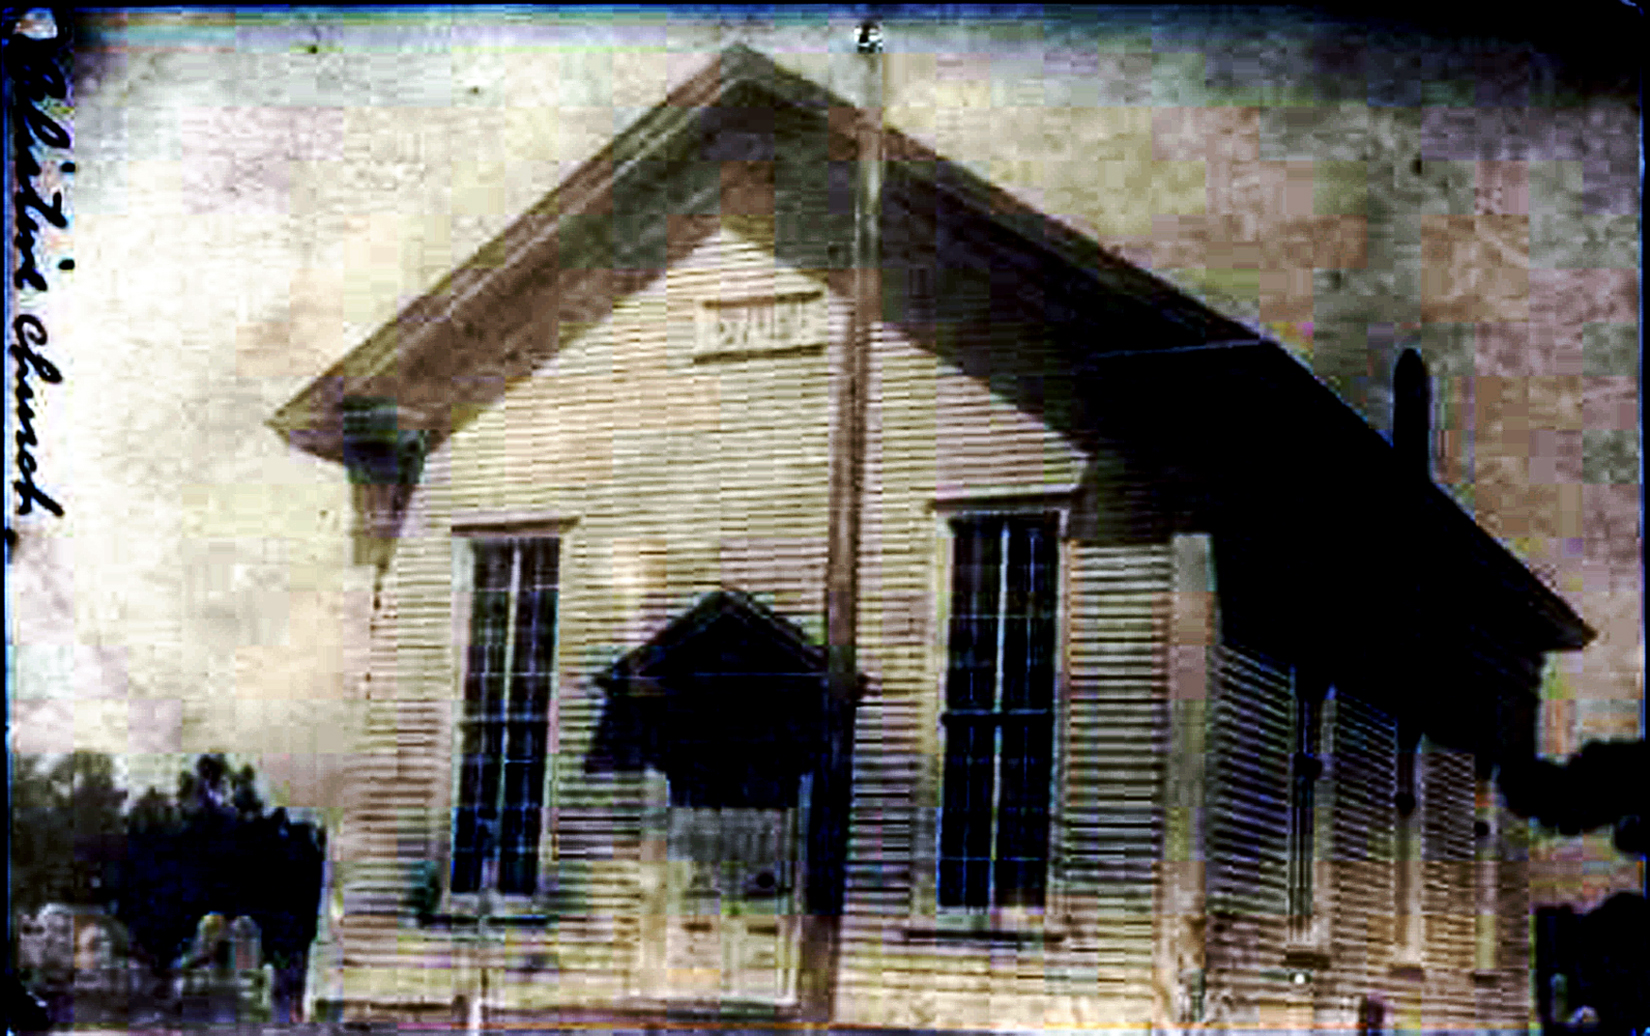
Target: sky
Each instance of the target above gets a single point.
(256, 192)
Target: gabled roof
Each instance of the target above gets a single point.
(708, 152)
(1271, 444)
(613, 224)
(737, 623)
(728, 673)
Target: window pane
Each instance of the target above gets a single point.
(476, 825)
(526, 759)
(530, 698)
(1305, 766)
(965, 818)
(536, 608)
(976, 574)
(1023, 810)
(523, 796)
(1029, 615)
(489, 626)
(518, 868)
(491, 707)
(1300, 847)
(492, 593)
(466, 863)
(1003, 633)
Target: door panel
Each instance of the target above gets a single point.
(729, 899)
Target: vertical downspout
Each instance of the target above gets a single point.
(828, 846)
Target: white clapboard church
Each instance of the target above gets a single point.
(814, 588)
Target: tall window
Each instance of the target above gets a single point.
(999, 714)
(1486, 835)
(1306, 769)
(1407, 886)
(507, 686)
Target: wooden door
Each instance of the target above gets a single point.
(730, 926)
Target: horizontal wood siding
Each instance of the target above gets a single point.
(1111, 836)
(1249, 951)
(1509, 1003)
(1251, 737)
(941, 429)
(1364, 770)
(680, 476)
(685, 475)
(1448, 903)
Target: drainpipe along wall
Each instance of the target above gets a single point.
(829, 841)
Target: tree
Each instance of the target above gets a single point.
(1605, 955)
(216, 789)
(168, 860)
(1606, 784)
(67, 838)
(214, 849)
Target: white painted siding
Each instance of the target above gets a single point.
(679, 476)
(937, 432)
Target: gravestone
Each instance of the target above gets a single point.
(94, 959)
(73, 957)
(254, 979)
(206, 985)
(247, 944)
(208, 947)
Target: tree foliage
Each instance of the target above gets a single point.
(1606, 784)
(165, 861)
(1605, 952)
(67, 843)
(214, 849)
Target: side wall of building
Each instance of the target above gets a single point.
(1462, 963)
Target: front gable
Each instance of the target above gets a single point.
(745, 141)
(753, 149)
(649, 385)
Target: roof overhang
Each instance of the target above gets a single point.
(617, 221)
(705, 155)
(1287, 464)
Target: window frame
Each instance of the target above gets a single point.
(1409, 847)
(991, 918)
(1315, 703)
(465, 537)
(1486, 878)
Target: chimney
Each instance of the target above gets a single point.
(1412, 414)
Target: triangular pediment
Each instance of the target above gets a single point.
(727, 633)
(726, 700)
(749, 146)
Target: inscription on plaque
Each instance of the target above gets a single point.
(773, 323)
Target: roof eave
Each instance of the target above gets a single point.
(1568, 630)
(310, 420)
